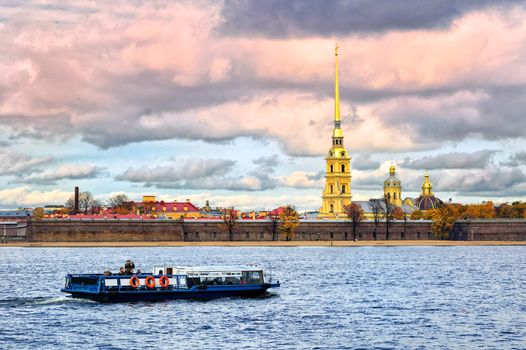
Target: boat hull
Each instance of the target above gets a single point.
(198, 292)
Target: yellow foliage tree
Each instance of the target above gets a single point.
(289, 220)
(443, 220)
(38, 213)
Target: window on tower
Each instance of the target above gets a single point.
(332, 168)
(331, 208)
(394, 195)
(343, 168)
(343, 188)
(332, 188)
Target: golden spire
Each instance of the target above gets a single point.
(392, 169)
(336, 89)
(337, 133)
(427, 188)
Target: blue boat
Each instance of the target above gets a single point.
(170, 282)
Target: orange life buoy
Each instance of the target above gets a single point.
(150, 282)
(135, 282)
(164, 281)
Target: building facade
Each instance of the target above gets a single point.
(337, 191)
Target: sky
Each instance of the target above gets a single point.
(232, 101)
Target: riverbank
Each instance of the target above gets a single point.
(396, 243)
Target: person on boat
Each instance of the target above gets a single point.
(129, 266)
(122, 271)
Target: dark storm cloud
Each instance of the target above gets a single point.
(455, 160)
(277, 18)
(490, 113)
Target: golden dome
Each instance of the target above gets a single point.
(392, 169)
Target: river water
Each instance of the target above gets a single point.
(330, 298)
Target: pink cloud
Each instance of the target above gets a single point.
(88, 66)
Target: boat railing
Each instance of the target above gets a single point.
(96, 283)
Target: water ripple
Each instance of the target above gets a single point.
(331, 298)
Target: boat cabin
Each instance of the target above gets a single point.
(214, 275)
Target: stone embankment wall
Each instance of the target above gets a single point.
(212, 230)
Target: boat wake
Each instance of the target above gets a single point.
(15, 302)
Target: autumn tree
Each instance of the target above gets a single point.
(376, 210)
(417, 215)
(289, 220)
(229, 222)
(355, 213)
(443, 220)
(87, 203)
(274, 223)
(38, 213)
(387, 209)
(120, 203)
(486, 210)
(398, 213)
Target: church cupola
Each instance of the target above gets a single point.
(427, 188)
(393, 188)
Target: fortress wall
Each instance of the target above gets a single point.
(120, 231)
(135, 231)
(489, 230)
(107, 231)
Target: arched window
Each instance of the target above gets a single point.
(332, 188)
(388, 196)
(331, 208)
(332, 168)
(394, 195)
(343, 168)
(343, 188)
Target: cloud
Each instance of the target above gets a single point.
(199, 174)
(301, 179)
(177, 171)
(516, 159)
(259, 202)
(64, 75)
(455, 160)
(492, 181)
(275, 18)
(364, 162)
(18, 164)
(65, 172)
(26, 197)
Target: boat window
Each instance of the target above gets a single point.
(232, 280)
(169, 271)
(252, 277)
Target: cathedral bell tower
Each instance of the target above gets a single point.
(337, 192)
(393, 188)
